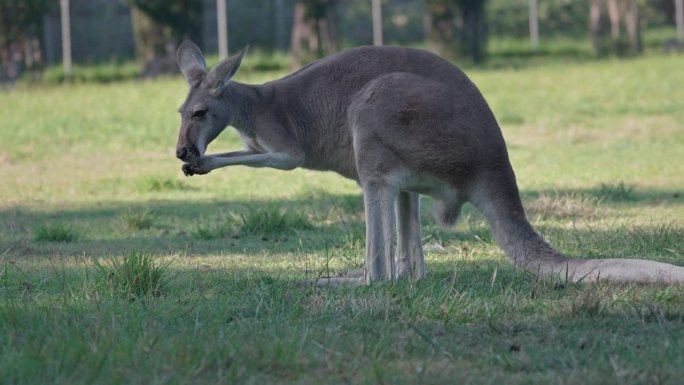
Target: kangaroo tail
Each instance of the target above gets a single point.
(496, 195)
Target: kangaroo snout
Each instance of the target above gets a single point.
(181, 153)
(187, 153)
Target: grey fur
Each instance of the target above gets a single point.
(399, 121)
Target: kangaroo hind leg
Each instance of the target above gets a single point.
(378, 199)
(410, 257)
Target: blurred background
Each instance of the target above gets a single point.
(108, 40)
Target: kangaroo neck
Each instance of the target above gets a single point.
(247, 102)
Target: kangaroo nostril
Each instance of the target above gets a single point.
(181, 153)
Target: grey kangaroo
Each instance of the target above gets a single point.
(400, 122)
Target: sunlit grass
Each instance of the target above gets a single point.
(134, 276)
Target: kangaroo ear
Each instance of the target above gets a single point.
(220, 75)
(191, 62)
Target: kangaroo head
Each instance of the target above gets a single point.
(205, 112)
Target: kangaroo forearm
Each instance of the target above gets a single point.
(279, 161)
(208, 163)
(232, 154)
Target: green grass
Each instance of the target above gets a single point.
(257, 61)
(138, 219)
(271, 220)
(56, 232)
(133, 277)
(618, 191)
(196, 280)
(101, 73)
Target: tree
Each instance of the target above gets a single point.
(457, 27)
(315, 25)
(621, 14)
(441, 26)
(474, 36)
(21, 25)
(159, 25)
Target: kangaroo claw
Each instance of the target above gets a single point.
(187, 169)
(190, 169)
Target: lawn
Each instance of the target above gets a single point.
(90, 194)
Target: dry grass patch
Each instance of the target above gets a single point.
(563, 205)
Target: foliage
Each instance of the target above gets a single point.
(20, 28)
(314, 30)
(568, 19)
(458, 27)
(159, 25)
(181, 16)
(19, 18)
(555, 17)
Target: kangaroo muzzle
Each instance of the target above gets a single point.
(187, 152)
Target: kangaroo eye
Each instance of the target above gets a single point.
(199, 114)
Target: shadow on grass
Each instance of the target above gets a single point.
(338, 223)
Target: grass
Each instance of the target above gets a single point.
(138, 219)
(271, 220)
(56, 232)
(101, 73)
(262, 220)
(258, 61)
(196, 280)
(135, 276)
(157, 184)
(618, 191)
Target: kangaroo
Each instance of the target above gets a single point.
(400, 122)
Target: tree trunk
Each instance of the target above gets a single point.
(614, 16)
(300, 32)
(475, 30)
(328, 25)
(595, 25)
(440, 27)
(632, 24)
(315, 23)
(151, 38)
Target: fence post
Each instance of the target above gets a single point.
(66, 38)
(377, 22)
(222, 28)
(679, 16)
(534, 26)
